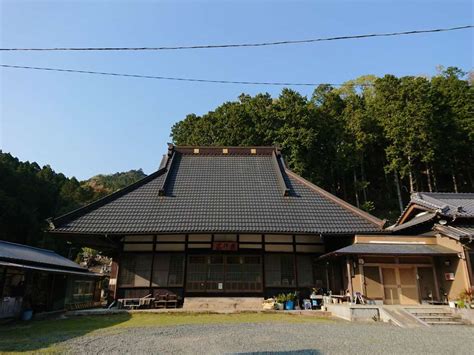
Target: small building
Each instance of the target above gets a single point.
(426, 258)
(43, 281)
(219, 221)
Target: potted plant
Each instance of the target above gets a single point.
(465, 298)
(280, 301)
(290, 302)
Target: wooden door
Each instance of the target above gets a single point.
(373, 283)
(400, 285)
(408, 285)
(390, 285)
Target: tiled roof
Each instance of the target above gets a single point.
(22, 253)
(392, 249)
(214, 192)
(456, 231)
(447, 204)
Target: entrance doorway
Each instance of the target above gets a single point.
(224, 274)
(400, 285)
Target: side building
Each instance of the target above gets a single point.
(220, 221)
(427, 257)
(40, 280)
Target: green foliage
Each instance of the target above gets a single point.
(355, 139)
(105, 184)
(280, 298)
(29, 194)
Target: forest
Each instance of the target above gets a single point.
(371, 141)
(29, 194)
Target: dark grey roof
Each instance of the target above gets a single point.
(446, 204)
(392, 249)
(216, 192)
(13, 252)
(456, 231)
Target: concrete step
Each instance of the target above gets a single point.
(438, 319)
(222, 304)
(446, 323)
(439, 316)
(435, 316)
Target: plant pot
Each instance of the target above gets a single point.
(279, 306)
(27, 314)
(452, 304)
(289, 305)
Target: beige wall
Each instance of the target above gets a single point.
(458, 266)
(395, 238)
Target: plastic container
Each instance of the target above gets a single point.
(289, 305)
(27, 315)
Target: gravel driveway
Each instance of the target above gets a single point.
(318, 338)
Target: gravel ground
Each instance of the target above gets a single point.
(265, 338)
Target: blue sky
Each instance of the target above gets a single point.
(84, 125)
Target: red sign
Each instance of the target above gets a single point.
(225, 246)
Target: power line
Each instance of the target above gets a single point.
(236, 45)
(169, 78)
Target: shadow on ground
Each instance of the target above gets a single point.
(43, 334)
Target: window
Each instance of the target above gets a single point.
(137, 247)
(135, 270)
(138, 238)
(278, 238)
(225, 237)
(279, 270)
(305, 271)
(83, 291)
(171, 238)
(168, 270)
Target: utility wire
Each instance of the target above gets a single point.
(169, 78)
(236, 45)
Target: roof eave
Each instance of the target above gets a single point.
(53, 223)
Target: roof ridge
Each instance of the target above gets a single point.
(378, 222)
(279, 174)
(167, 166)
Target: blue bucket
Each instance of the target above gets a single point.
(289, 305)
(27, 315)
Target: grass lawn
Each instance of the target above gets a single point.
(47, 335)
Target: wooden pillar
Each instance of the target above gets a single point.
(113, 281)
(153, 255)
(435, 275)
(349, 276)
(186, 260)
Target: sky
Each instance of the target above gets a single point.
(83, 125)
